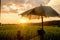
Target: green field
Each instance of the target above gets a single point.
(8, 32)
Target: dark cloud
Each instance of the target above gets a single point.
(34, 2)
(15, 1)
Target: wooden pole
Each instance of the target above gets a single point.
(42, 22)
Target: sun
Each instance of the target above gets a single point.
(23, 20)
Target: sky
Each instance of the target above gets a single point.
(34, 2)
(55, 4)
(11, 8)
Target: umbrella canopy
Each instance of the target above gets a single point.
(42, 11)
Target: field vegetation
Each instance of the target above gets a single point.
(9, 32)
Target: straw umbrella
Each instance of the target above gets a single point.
(43, 11)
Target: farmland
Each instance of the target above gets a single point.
(9, 31)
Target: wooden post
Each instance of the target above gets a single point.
(19, 35)
(42, 22)
(41, 32)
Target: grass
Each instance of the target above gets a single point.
(9, 32)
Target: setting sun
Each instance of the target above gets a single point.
(23, 20)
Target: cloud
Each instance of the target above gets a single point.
(22, 4)
(34, 2)
(55, 4)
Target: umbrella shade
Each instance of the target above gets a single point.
(42, 11)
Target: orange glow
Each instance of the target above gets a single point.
(9, 14)
(23, 20)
